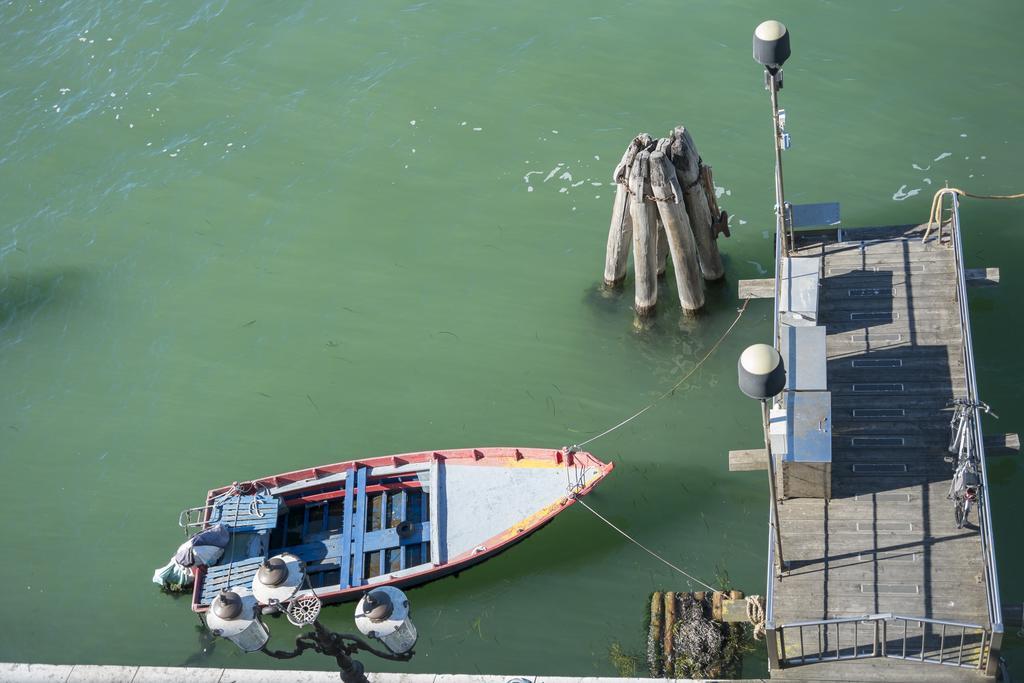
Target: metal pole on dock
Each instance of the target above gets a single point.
(771, 486)
(771, 49)
(762, 375)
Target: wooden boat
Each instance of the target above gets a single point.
(396, 520)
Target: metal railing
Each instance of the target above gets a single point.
(771, 634)
(933, 641)
(769, 611)
(995, 611)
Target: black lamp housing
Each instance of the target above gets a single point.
(771, 44)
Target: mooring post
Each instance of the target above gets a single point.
(687, 163)
(620, 235)
(654, 641)
(620, 230)
(670, 622)
(645, 247)
(681, 243)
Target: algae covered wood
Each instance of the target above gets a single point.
(681, 243)
(654, 644)
(734, 611)
(670, 623)
(716, 605)
(688, 640)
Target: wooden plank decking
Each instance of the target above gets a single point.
(887, 541)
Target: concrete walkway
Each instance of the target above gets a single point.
(80, 673)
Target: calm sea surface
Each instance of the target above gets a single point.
(239, 238)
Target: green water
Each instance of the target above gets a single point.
(242, 238)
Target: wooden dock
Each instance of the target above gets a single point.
(879, 582)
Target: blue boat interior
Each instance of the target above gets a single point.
(349, 531)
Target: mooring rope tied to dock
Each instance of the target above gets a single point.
(739, 314)
(573, 489)
(641, 545)
(935, 217)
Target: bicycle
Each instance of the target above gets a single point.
(966, 483)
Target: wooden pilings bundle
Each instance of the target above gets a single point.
(664, 205)
(696, 635)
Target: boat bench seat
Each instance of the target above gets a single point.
(318, 551)
(246, 513)
(216, 579)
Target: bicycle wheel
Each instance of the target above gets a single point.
(960, 510)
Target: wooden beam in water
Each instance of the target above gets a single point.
(1013, 615)
(748, 460)
(734, 608)
(757, 289)
(1002, 444)
(982, 277)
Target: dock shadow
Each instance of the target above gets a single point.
(869, 301)
(24, 297)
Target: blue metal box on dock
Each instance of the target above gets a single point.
(806, 470)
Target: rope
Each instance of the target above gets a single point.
(739, 314)
(650, 197)
(642, 546)
(755, 613)
(231, 541)
(935, 217)
(573, 489)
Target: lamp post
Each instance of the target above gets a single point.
(383, 614)
(762, 375)
(771, 50)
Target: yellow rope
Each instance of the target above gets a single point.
(935, 217)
